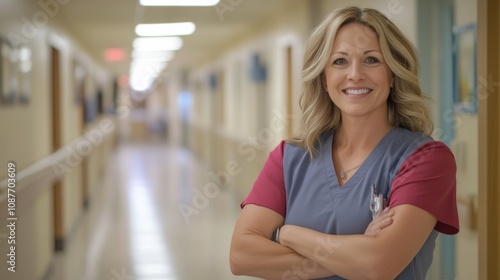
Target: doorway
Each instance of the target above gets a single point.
(488, 73)
(289, 91)
(56, 145)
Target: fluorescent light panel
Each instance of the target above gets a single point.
(161, 55)
(179, 2)
(165, 29)
(157, 44)
(150, 60)
(142, 77)
(148, 66)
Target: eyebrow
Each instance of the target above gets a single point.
(368, 51)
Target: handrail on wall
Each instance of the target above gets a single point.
(31, 180)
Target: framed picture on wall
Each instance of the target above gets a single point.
(24, 74)
(79, 75)
(8, 69)
(465, 68)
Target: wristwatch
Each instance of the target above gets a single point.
(276, 235)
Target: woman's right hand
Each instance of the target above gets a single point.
(384, 219)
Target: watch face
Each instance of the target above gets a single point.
(275, 236)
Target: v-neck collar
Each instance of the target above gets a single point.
(378, 151)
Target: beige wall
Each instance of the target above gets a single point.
(248, 107)
(465, 148)
(26, 139)
(27, 135)
(466, 151)
(401, 12)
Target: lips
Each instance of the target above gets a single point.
(357, 91)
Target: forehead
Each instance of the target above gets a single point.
(355, 36)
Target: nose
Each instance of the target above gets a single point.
(355, 72)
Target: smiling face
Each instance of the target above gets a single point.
(357, 77)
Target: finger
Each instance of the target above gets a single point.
(374, 229)
(374, 225)
(372, 233)
(384, 214)
(384, 223)
(380, 223)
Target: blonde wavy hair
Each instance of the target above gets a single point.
(406, 103)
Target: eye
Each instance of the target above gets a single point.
(372, 60)
(340, 61)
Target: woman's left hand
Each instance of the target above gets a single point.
(384, 219)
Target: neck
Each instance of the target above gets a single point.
(359, 134)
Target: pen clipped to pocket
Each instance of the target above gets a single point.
(377, 202)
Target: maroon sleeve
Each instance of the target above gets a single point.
(427, 179)
(269, 188)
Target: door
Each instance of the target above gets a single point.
(56, 145)
(488, 43)
(81, 77)
(289, 92)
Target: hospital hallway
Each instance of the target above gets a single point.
(134, 229)
(131, 130)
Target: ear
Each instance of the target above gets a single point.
(392, 81)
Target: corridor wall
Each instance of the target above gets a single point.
(236, 119)
(26, 134)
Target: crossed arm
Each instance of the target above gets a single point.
(381, 253)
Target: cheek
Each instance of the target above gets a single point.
(333, 81)
(389, 76)
(384, 80)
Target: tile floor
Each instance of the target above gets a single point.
(135, 230)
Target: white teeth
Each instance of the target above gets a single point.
(357, 91)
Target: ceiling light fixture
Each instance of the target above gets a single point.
(157, 44)
(149, 60)
(143, 75)
(165, 29)
(161, 55)
(179, 2)
(148, 67)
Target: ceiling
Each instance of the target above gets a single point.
(102, 24)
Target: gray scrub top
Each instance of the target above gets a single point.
(315, 200)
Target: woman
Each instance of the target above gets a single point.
(365, 129)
